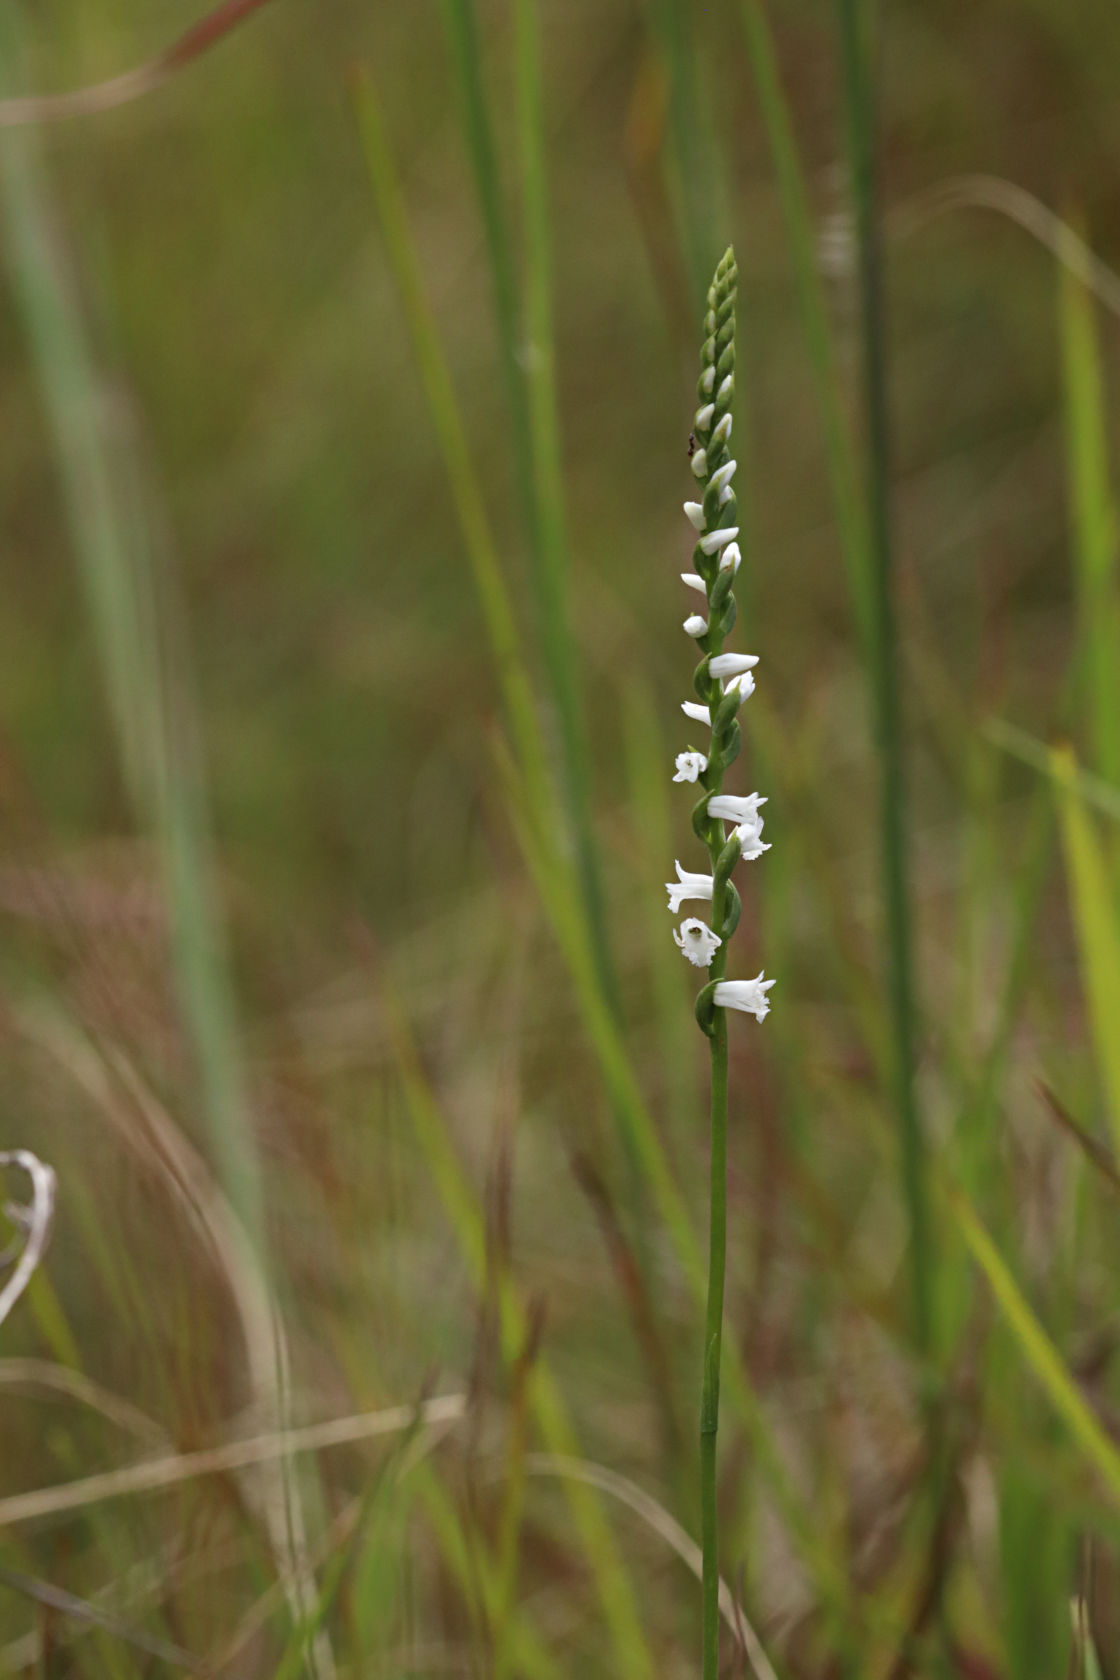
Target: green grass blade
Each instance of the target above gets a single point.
(1093, 522)
(860, 122)
(1038, 1350)
(467, 1222)
(694, 165)
(544, 431)
(474, 523)
(851, 519)
(1098, 934)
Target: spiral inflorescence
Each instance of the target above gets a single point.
(722, 681)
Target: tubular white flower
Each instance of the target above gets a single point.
(690, 767)
(704, 417)
(732, 664)
(735, 807)
(687, 885)
(694, 625)
(727, 389)
(742, 685)
(751, 843)
(719, 539)
(723, 477)
(747, 995)
(708, 380)
(695, 581)
(700, 462)
(731, 557)
(696, 939)
(693, 709)
(722, 432)
(695, 512)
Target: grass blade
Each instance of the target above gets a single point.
(859, 106)
(1098, 935)
(1037, 1348)
(1093, 524)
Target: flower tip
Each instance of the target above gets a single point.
(700, 462)
(695, 513)
(694, 625)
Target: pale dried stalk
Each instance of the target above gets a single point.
(34, 1220)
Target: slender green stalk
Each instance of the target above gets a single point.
(883, 660)
(529, 380)
(851, 519)
(544, 434)
(694, 156)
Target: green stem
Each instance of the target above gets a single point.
(883, 651)
(713, 1338)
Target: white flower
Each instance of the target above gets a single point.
(730, 557)
(743, 685)
(726, 473)
(704, 417)
(690, 766)
(735, 807)
(694, 581)
(707, 380)
(685, 886)
(695, 512)
(747, 995)
(719, 539)
(722, 432)
(732, 664)
(700, 462)
(693, 709)
(694, 625)
(697, 941)
(725, 495)
(751, 843)
(726, 389)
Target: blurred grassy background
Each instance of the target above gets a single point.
(299, 994)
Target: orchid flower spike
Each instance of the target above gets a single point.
(747, 995)
(690, 766)
(687, 885)
(696, 939)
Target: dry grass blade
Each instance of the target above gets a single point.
(36, 1375)
(156, 1473)
(1090, 1146)
(645, 1506)
(120, 90)
(80, 1609)
(34, 1221)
